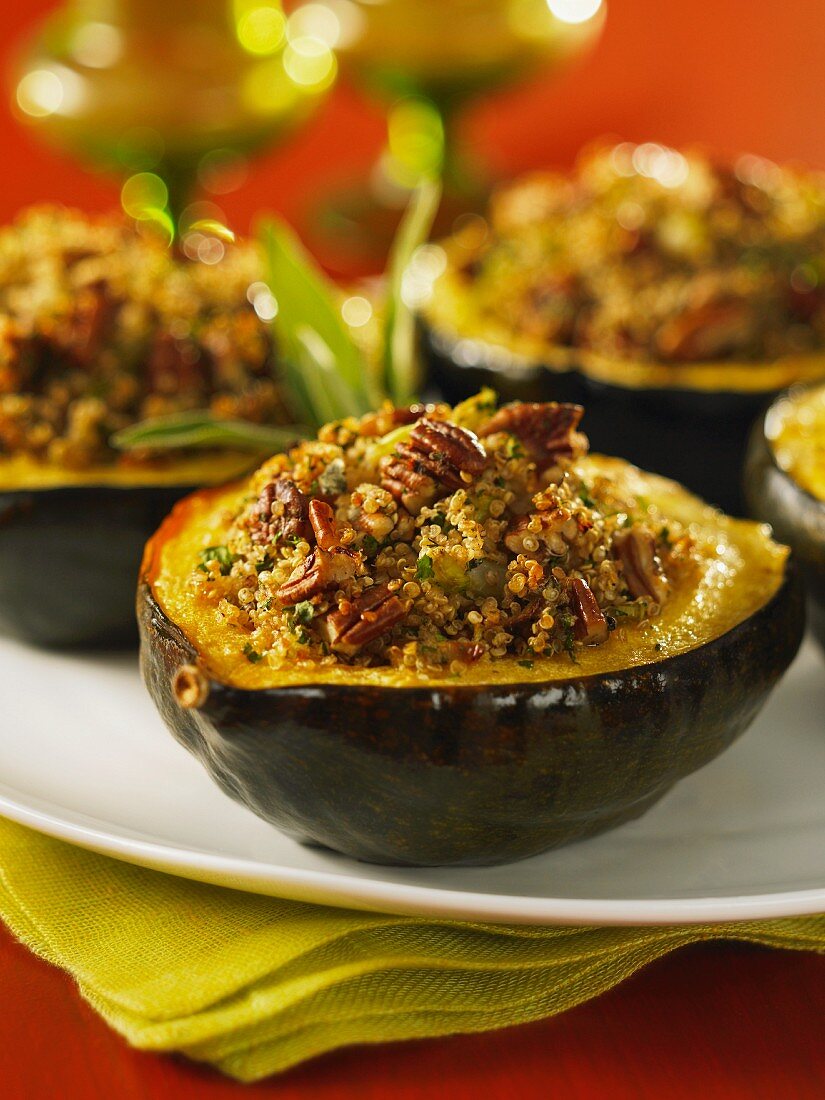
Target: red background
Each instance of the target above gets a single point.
(736, 75)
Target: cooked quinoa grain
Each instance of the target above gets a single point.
(407, 561)
(102, 326)
(648, 254)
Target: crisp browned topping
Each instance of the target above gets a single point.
(501, 554)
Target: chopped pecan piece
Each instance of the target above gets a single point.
(281, 512)
(384, 420)
(407, 485)
(363, 620)
(330, 565)
(438, 452)
(84, 331)
(705, 331)
(591, 626)
(548, 431)
(523, 619)
(320, 571)
(635, 549)
(322, 518)
(173, 365)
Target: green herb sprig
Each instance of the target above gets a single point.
(201, 429)
(326, 374)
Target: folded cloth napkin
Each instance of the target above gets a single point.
(254, 985)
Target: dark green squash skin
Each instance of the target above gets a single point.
(69, 558)
(797, 518)
(693, 436)
(472, 774)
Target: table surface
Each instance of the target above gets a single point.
(720, 1021)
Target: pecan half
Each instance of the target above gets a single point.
(280, 513)
(635, 549)
(438, 453)
(363, 620)
(591, 626)
(320, 571)
(548, 431)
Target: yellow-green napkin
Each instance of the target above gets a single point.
(254, 985)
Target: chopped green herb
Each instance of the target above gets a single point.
(513, 449)
(441, 521)
(265, 565)
(333, 481)
(424, 569)
(252, 655)
(526, 664)
(220, 554)
(568, 622)
(586, 498)
(474, 564)
(369, 545)
(303, 613)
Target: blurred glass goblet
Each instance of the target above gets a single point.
(181, 89)
(427, 59)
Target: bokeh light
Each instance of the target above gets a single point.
(40, 93)
(97, 45)
(263, 301)
(356, 311)
(574, 11)
(145, 197)
(310, 62)
(319, 21)
(261, 29)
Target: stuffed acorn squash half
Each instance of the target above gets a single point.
(102, 327)
(674, 296)
(445, 636)
(785, 484)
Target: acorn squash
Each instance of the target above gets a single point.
(71, 542)
(688, 421)
(672, 294)
(785, 484)
(503, 762)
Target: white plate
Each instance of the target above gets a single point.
(84, 757)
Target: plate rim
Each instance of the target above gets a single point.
(348, 891)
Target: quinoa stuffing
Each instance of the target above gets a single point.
(430, 538)
(648, 254)
(102, 326)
